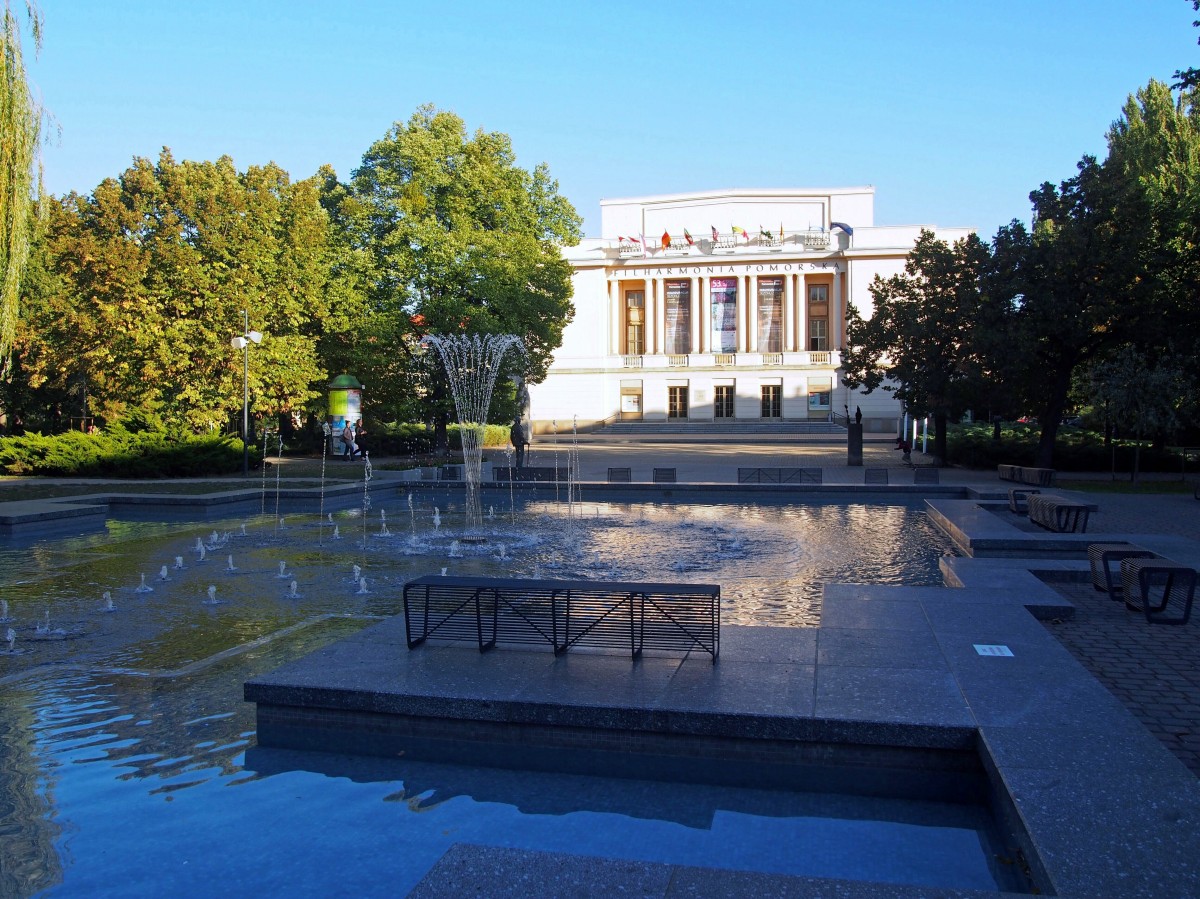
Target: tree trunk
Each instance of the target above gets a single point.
(940, 441)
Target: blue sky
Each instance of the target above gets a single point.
(955, 111)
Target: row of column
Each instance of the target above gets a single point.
(794, 317)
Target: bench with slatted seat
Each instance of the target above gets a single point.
(1139, 579)
(535, 473)
(619, 475)
(563, 614)
(1055, 513)
(664, 476)
(1035, 477)
(926, 476)
(1101, 557)
(875, 475)
(1018, 500)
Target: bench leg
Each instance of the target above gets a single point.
(1189, 594)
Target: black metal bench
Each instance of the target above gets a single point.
(780, 475)
(529, 473)
(1055, 513)
(620, 475)
(563, 614)
(664, 476)
(926, 476)
(875, 475)
(1140, 576)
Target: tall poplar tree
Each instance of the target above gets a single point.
(20, 178)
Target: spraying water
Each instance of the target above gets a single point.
(472, 363)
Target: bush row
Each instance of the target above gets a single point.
(972, 446)
(417, 440)
(118, 453)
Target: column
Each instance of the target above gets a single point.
(615, 343)
(694, 313)
(752, 312)
(837, 313)
(660, 318)
(789, 297)
(802, 316)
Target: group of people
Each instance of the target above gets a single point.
(352, 441)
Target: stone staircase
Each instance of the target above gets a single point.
(719, 428)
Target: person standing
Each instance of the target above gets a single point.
(360, 434)
(348, 442)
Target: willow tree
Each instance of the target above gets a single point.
(20, 176)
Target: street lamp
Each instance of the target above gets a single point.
(243, 343)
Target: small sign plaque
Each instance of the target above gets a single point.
(992, 649)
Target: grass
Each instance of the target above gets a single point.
(1126, 486)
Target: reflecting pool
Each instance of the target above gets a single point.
(127, 756)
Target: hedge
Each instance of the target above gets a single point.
(121, 454)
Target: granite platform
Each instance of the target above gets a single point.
(889, 694)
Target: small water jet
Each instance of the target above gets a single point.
(178, 563)
(362, 586)
(162, 574)
(143, 587)
(243, 529)
(231, 566)
(283, 572)
(11, 636)
(357, 573)
(455, 550)
(437, 519)
(108, 602)
(444, 570)
(212, 596)
(294, 591)
(383, 528)
(201, 559)
(4, 610)
(336, 535)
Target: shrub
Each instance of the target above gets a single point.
(406, 439)
(1075, 449)
(120, 453)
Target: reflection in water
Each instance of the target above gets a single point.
(122, 748)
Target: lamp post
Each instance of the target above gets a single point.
(242, 343)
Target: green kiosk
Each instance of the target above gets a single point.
(345, 404)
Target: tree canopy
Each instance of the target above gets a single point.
(149, 277)
(453, 236)
(917, 343)
(20, 177)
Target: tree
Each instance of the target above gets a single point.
(155, 269)
(20, 179)
(917, 344)
(455, 237)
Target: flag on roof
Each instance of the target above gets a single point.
(716, 236)
(742, 231)
(620, 239)
(666, 239)
(781, 232)
(634, 239)
(764, 232)
(843, 226)
(688, 237)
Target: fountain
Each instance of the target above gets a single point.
(11, 636)
(4, 610)
(212, 596)
(162, 574)
(472, 363)
(283, 572)
(362, 586)
(231, 566)
(143, 587)
(294, 591)
(108, 602)
(178, 563)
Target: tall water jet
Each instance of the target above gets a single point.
(472, 363)
(11, 636)
(3, 610)
(326, 434)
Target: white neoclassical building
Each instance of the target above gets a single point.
(722, 306)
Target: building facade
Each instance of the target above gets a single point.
(721, 306)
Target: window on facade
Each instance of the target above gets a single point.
(723, 401)
(770, 315)
(817, 339)
(772, 395)
(635, 322)
(679, 317)
(723, 294)
(818, 293)
(677, 402)
(820, 394)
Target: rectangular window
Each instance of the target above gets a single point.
(817, 341)
(772, 401)
(820, 395)
(679, 317)
(770, 315)
(723, 293)
(677, 402)
(818, 293)
(723, 402)
(635, 322)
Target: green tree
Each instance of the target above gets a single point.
(455, 237)
(20, 175)
(1189, 78)
(156, 267)
(917, 343)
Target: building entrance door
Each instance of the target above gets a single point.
(723, 402)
